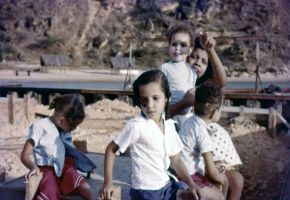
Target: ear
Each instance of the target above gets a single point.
(212, 114)
(61, 119)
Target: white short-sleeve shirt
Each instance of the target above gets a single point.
(181, 77)
(150, 150)
(223, 147)
(196, 141)
(49, 149)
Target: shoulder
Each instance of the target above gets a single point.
(138, 121)
(42, 123)
(215, 130)
(192, 122)
(165, 66)
(170, 124)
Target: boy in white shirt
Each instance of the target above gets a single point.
(198, 147)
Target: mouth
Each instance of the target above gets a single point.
(151, 112)
(195, 69)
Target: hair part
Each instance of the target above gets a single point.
(149, 77)
(69, 106)
(208, 98)
(182, 29)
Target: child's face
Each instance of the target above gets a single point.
(179, 47)
(199, 61)
(152, 100)
(67, 126)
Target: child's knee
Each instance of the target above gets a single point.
(239, 179)
(85, 186)
(236, 179)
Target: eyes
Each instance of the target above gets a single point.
(182, 44)
(196, 57)
(144, 101)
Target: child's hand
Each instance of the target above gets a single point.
(189, 96)
(207, 41)
(106, 192)
(197, 193)
(34, 171)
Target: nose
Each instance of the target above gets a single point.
(198, 61)
(149, 104)
(178, 47)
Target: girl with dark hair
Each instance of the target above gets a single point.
(154, 145)
(205, 61)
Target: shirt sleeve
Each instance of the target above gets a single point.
(204, 141)
(162, 68)
(35, 133)
(128, 135)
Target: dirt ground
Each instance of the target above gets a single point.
(264, 159)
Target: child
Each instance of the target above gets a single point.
(47, 140)
(226, 159)
(206, 62)
(197, 152)
(181, 77)
(153, 142)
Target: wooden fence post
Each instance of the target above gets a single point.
(272, 122)
(26, 103)
(242, 110)
(10, 109)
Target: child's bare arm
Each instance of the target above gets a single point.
(106, 190)
(208, 43)
(187, 101)
(211, 170)
(27, 161)
(182, 172)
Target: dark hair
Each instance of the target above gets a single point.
(149, 77)
(208, 74)
(182, 29)
(70, 106)
(208, 97)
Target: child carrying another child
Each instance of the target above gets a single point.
(154, 145)
(198, 148)
(47, 140)
(188, 65)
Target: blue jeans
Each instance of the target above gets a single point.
(168, 192)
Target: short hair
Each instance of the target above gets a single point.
(149, 77)
(182, 28)
(70, 106)
(208, 97)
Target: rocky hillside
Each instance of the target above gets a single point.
(89, 32)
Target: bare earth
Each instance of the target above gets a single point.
(264, 159)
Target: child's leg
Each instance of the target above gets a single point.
(72, 181)
(49, 185)
(236, 183)
(86, 191)
(212, 193)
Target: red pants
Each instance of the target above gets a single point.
(51, 186)
(201, 181)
